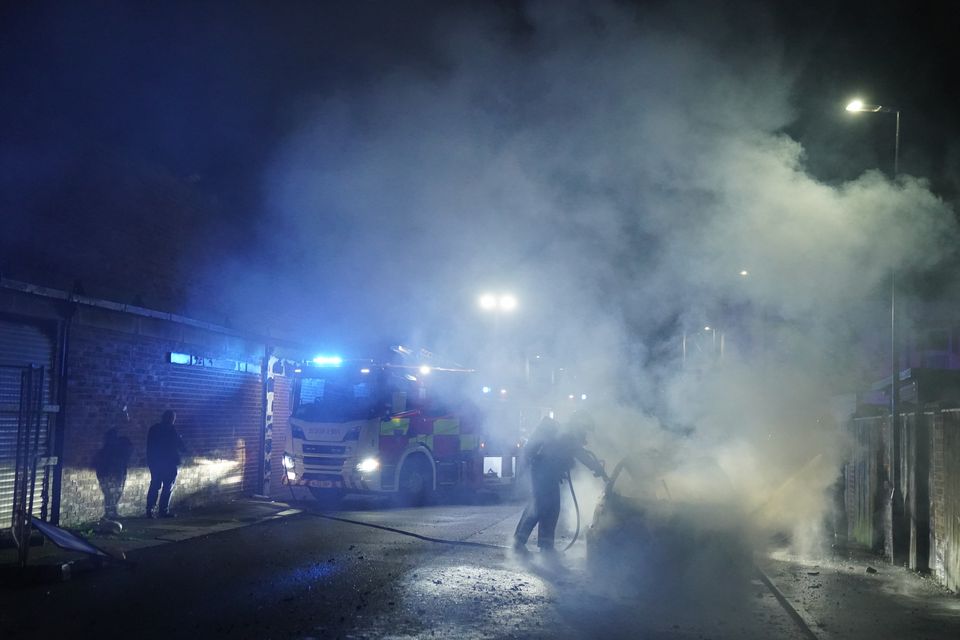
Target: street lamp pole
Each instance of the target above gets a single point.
(857, 106)
(896, 147)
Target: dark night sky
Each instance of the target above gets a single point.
(203, 91)
(139, 133)
(897, 53)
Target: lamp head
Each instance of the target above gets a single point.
(855, 105)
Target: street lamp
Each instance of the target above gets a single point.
(858, 106)
(497, 305)
(503, 302)
(697, 342)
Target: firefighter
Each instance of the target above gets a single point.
(551, 452)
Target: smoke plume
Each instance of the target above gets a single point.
(624, 172)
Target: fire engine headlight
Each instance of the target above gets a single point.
(288, 461)
(368, 465)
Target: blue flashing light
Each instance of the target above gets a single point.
(328, 361)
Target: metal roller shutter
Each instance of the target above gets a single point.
(21, 345)
(219, 412)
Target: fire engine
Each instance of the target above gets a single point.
(361, 426)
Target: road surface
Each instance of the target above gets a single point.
(309, 576)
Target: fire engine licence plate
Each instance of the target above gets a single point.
(326, 484)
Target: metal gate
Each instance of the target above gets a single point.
(26, 412)
(28, 464)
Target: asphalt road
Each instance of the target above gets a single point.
(309, 577)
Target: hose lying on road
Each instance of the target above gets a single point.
(461, 543)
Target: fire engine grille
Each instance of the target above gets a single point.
(332, 477)
(324, 449)
(313, 461)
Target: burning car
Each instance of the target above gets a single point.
(677, 544)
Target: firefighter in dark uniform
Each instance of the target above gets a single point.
(551, 452)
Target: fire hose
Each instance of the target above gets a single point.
(462, 543)
(404, 532)
(576, 507)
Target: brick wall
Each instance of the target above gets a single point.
(218, 416)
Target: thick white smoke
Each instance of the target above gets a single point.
(616, 169)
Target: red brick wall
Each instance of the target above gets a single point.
(218, 416)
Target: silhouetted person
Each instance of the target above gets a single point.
(110, 464)
(164, 447)
(551, 453)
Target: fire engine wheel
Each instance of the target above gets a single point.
(416, 482)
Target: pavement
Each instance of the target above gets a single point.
(850, 593)
(47, 562)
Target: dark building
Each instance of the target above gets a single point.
(100, 366)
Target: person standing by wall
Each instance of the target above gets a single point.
(110, 464)
(164, 447)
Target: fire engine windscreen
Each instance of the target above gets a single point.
(337, 397)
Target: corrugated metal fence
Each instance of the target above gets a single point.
(945, 498)
(866, 475)
(929, 486)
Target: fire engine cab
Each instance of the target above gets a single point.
(360, 426)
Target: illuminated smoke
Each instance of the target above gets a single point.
(615, 169)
